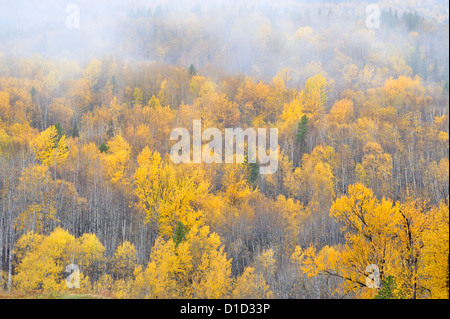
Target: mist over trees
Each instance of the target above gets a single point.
(256, 38)
(363, 121)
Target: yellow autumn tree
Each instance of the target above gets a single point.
(5, 109)
(124, 261)
(166, 192)
(250, 285)
(49, 147)
(435, 263)
(162, 122)
(368, 226)
(376, 169)
(211, 270)
(213, 276)
(43, 266)
(338, 120)
(252, 100)
(123, 266)
(89, 255)
(195, 267)
(412, 223)
(235, 185)
(28, 242)
(253, 282)
(316, 95)
(158, 280)
(40, 213)
(116, 160)
(294, 214)
(42, 260)
(400, 240)
(315, 179)
(290, 117)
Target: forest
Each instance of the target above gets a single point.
(363, 151)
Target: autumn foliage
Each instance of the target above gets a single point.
(86, 179)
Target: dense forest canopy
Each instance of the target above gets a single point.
(363, 124)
